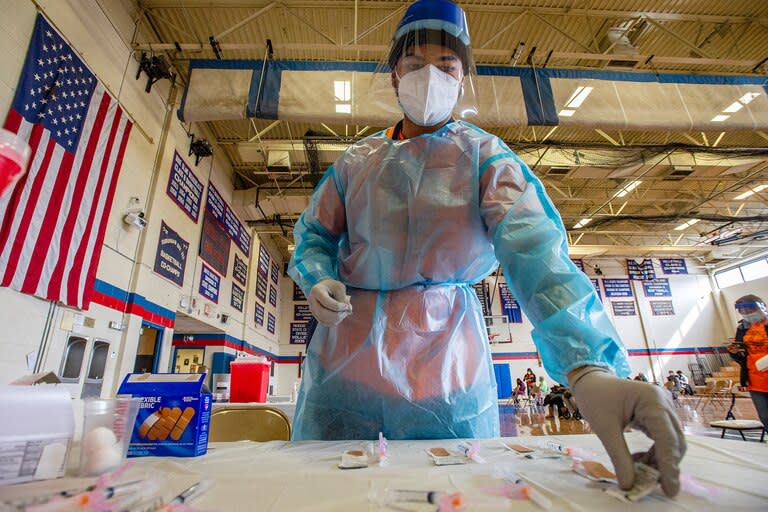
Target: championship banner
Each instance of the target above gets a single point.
(171, 255)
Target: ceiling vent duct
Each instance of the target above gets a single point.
(617, 41)
(678, 172)
(558, 172)
(278, 161)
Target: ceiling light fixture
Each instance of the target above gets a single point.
(686, 224)
(719, 118)
(733, 107)
(749, 97)
(578, 96)
(750, 192)
(566, 113)
(583, 222)
(629, 188)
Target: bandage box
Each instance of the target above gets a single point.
(174, 414)
(37, 432)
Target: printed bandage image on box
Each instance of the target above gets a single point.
(181, 425)
(147, 425)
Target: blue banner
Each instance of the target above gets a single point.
(509, 305)
(484, 296)
(274, 273)
(301, 312)
(270, 323)
(299, 333)
(617, 287)
(657, 288)
(209, 284)
(596, 284)
(273, 295)
(263, 267)
(297, 293)
(261, 288)
(662, 307)
(579, 263)
(642, 271)
(673, 266)
(231, 223)
(623, 308)
(214, 203)
(184, 187)
(240, 270)
(244, 240)
(238, 296)
(171, 256)
(258, 314)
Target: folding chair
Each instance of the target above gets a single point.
(258, 423)
(731, 423)
(718, 393)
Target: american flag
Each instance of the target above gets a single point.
(52, 222)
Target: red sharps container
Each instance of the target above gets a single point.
(250, 379)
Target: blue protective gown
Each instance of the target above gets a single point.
(408, 226)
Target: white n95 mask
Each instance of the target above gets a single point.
(428, 95)
(754, 318)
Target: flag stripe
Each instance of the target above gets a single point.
(44, 225)
(13, 196)
(73, 222)
(20, 227)
(86, 284)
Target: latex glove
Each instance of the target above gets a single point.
(610, 403)
(329, 302)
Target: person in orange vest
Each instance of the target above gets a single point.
(749, 347)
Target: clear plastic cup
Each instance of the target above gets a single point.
(14, 155)
(107, 429)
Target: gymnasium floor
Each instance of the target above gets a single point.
(695, 416)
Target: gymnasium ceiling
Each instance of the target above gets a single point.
(682, 175)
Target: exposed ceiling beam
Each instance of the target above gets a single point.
(388, 6)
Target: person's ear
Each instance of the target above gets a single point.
(395, 81)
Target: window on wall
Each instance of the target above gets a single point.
(73, 358)
(98, 360)
(745, 272)
(755, 270)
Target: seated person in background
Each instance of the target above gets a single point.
(561, 397)
(641, 377)
(673, 384)
(519, 391)
(685, 387)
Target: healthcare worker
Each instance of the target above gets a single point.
(397, 231)
(749, 347)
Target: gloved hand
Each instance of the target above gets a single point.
(610, 403)
(329, 302)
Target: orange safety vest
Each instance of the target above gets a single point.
(756, 340)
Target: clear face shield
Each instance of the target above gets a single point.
(428, 73)
(752, 311)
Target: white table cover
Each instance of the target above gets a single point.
(284, 476)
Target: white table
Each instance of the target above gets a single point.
(284, 476)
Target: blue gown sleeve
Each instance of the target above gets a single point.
(317, 234)
(571, 328)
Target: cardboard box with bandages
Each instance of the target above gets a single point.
(173, 416)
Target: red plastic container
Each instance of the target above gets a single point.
(250, 379)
